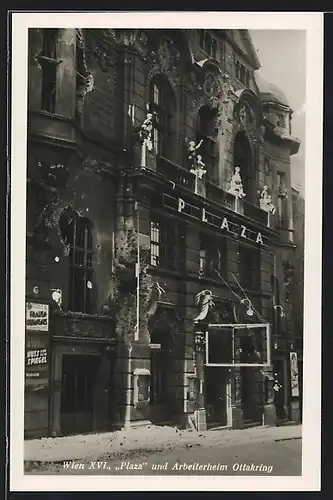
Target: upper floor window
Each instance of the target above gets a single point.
(282, 198)
(249, 267)
(49, 63)
(162, 102)
(207, 132)
(280, 120)
(166, 244)
(77, 233)
(208, 43)
(213, 256)
(242, 74)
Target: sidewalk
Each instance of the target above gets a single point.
(140, 440)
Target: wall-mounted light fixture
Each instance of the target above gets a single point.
(248, 305)
(280, 308)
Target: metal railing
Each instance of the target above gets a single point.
(181, 176)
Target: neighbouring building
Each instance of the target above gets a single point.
(159, 208)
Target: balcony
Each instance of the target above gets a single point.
(182, 177)
(174, 173)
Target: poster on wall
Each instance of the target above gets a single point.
(37, 317)
(294, 375)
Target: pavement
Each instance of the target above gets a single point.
(131, 443)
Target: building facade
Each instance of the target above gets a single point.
(159, 207)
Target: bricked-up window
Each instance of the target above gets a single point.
(249, 267)
(77, 234)
(162, 102)
(207, 131)
(213, 256)
(49, 63)
(166, 244)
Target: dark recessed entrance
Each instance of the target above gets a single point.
(79, 373)
(216, 383)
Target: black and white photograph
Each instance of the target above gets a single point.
(166, 251)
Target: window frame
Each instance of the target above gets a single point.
(213, 253)
(168, 247)
(249, 260)
(80, 259)
(163, 132)
(49, 63)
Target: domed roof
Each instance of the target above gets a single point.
(270, 92)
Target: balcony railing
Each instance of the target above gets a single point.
(175, 173)
(181, 176)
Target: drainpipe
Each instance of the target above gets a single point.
(128, 391)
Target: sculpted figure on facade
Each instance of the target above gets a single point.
(204, 302)
(193, 153)
(146, 132)
(265, 201)
(236, 184)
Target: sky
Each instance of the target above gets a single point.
(282, 55)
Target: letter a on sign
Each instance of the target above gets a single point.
(225, 224)
(259, 239)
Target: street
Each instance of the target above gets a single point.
(275, 458)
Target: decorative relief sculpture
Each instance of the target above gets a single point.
(236, 185)
(166, 59)
(265, 201)
(192, 153)
(146, 132)
(204, 302)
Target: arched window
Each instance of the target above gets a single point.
(207, 132)
(243, 158)
(77, 233)
(162, 102)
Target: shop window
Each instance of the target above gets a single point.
(213, 256)
(162, 103)
(49, 63)
(77, 234)
(207, 132)
(249, 267)
(166, 244)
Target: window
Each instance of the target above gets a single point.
(282, 198)
(242, 74)
(280, 120)
(49, 64)
(166, 244)
(207, 131)
(213, 256)
(249, 267)
(161, 101)
(77, 233)
(208, 43)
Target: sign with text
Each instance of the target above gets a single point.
(37, 317)
(223, 223)
(294, 374)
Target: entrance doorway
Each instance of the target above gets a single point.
(162, 371)
(78, 379)
(216, 390)
(252, 394)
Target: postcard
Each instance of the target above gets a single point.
(166, 179)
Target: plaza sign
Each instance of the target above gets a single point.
(224, 224)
